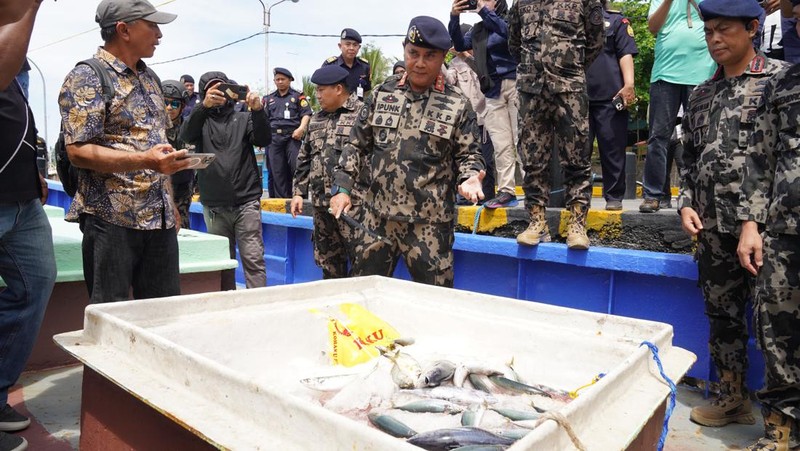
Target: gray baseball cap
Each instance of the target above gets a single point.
(109, 12)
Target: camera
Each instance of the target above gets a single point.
(472, 4)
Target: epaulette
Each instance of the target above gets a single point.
(757, 64)
(331, 59)
(613, 11)
(363, 60)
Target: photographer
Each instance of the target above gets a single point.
(230, 188)
(497, 73)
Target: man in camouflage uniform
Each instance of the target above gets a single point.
(771, 204)
(554, 42)
(328, 131)
(717, 125)
(420, 137)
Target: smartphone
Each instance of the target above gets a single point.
(472, 5)
(199, 160)
(233, 92)
(618, 103)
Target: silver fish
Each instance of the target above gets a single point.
(405, 371)
(454, 437)
(329, 383)
(473, 415)
(431, 406)
(517, 387)
(481, 448)
(466, 396)
(436, 373)
(516, 415)
(514, 434)
(480, 382)
(391, 425)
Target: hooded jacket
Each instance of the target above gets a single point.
(232, 179)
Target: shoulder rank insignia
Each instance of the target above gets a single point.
(331, 59)
(757, 65)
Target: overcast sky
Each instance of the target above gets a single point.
(205, 24)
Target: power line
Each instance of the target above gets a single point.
(271, 32)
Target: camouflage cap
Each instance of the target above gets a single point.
(425, 31)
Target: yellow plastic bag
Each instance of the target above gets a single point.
(353, 341)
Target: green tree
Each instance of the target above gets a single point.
(636, 12)
(310, 91)
(379, 64)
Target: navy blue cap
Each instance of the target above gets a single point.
(329, 75)
(748, 9)
(795, 2)
(349, 33)
(186, 78)
(425, 31)
(280, 70)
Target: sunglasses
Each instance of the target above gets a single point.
(175, 104)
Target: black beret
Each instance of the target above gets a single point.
(795, 2)
(425, 31)
(329, 75)
(280, 70)
(349, 33)
(187, 78)
(748, 9)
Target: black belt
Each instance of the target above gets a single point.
(283, 131)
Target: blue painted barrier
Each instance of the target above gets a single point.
(639, 284)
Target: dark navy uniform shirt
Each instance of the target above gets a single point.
(286, 111)
(359, 74)
(19, 180)
(604, 78)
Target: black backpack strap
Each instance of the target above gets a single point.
(105, 79)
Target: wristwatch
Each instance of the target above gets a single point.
(336, 189)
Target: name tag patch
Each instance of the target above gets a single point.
(388, 108)
(440, 114)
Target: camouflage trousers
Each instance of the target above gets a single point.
(727, 288)
(427, 250)
(334, 242)
(562, 118)
(777, 299)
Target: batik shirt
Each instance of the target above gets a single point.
(134, 121)
(417, 146)
(717, 126)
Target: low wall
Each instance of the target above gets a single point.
(639, 284)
